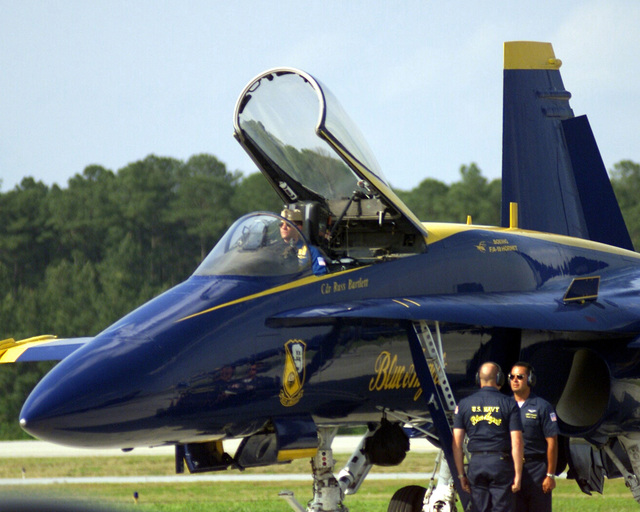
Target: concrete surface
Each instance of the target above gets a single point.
(22, 449)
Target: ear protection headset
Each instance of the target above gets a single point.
(499, 375)
(531, 379)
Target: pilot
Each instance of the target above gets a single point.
(292, 238)
(540, 442)
(492, 423)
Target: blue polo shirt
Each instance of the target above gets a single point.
(319, 265)
(539, 421)
(488, 417)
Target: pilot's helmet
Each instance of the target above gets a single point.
(292, 215)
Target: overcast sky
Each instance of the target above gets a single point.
(110, 82)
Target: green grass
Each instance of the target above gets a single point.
(190, 496)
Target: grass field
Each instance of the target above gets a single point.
(187, 495)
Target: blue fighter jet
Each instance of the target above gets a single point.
(264, 344)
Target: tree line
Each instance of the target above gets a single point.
(75, 259)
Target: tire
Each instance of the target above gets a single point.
(407, 499)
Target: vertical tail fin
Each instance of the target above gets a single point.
(551, 165)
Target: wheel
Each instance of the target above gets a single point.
(407, 499)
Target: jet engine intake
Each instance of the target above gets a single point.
(585, 398)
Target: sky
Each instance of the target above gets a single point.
(110, 82)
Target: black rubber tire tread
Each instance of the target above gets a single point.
(407, 499)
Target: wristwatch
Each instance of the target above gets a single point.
(551, 475)
(462, 476)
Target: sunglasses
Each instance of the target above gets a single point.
(518, 376)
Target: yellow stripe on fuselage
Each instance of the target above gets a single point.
(440, 231)
(277, 289)
(436, 233)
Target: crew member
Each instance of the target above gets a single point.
(540, 435)
(304, 251)
(492, 423)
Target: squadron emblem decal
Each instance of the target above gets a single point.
(294, 372)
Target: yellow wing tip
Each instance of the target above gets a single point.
(10, 343)
(530, 55)
(6, 344)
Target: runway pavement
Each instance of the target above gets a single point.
(214, 477)
(31, 449)
(25, 449)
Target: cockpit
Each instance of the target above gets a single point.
(259, 244)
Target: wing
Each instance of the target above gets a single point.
(535, 310)
(40, 348)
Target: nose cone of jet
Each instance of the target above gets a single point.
(51, 413)
(120, 389)
(92, 400)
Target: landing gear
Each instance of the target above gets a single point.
(407, 499)
(435, 498)
(328, 493)
(442, 497)
(613, 457)
(631, 444)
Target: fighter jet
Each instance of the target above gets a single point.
(344, 309)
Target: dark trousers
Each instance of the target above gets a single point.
(531, 498)
(491, 476)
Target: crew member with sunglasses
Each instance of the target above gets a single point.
(540, 433)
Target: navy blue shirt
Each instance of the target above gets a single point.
(539, 421)
(488, 417)
(319, 265)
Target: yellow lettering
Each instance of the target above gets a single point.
(406, 378)
(485, 417)
(395, 373)
(503, 248)
(390, 375)
(359, 283)
(381, 367)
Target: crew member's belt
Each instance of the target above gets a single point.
(502, 455)
(538, 457)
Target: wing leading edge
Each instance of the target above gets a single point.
(536, 311)
(39, 348)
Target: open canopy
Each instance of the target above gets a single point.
(307, 147)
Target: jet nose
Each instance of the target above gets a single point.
(57, 412)
(49, 416)
(31, 424)
(43, 422)
(89, 400)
